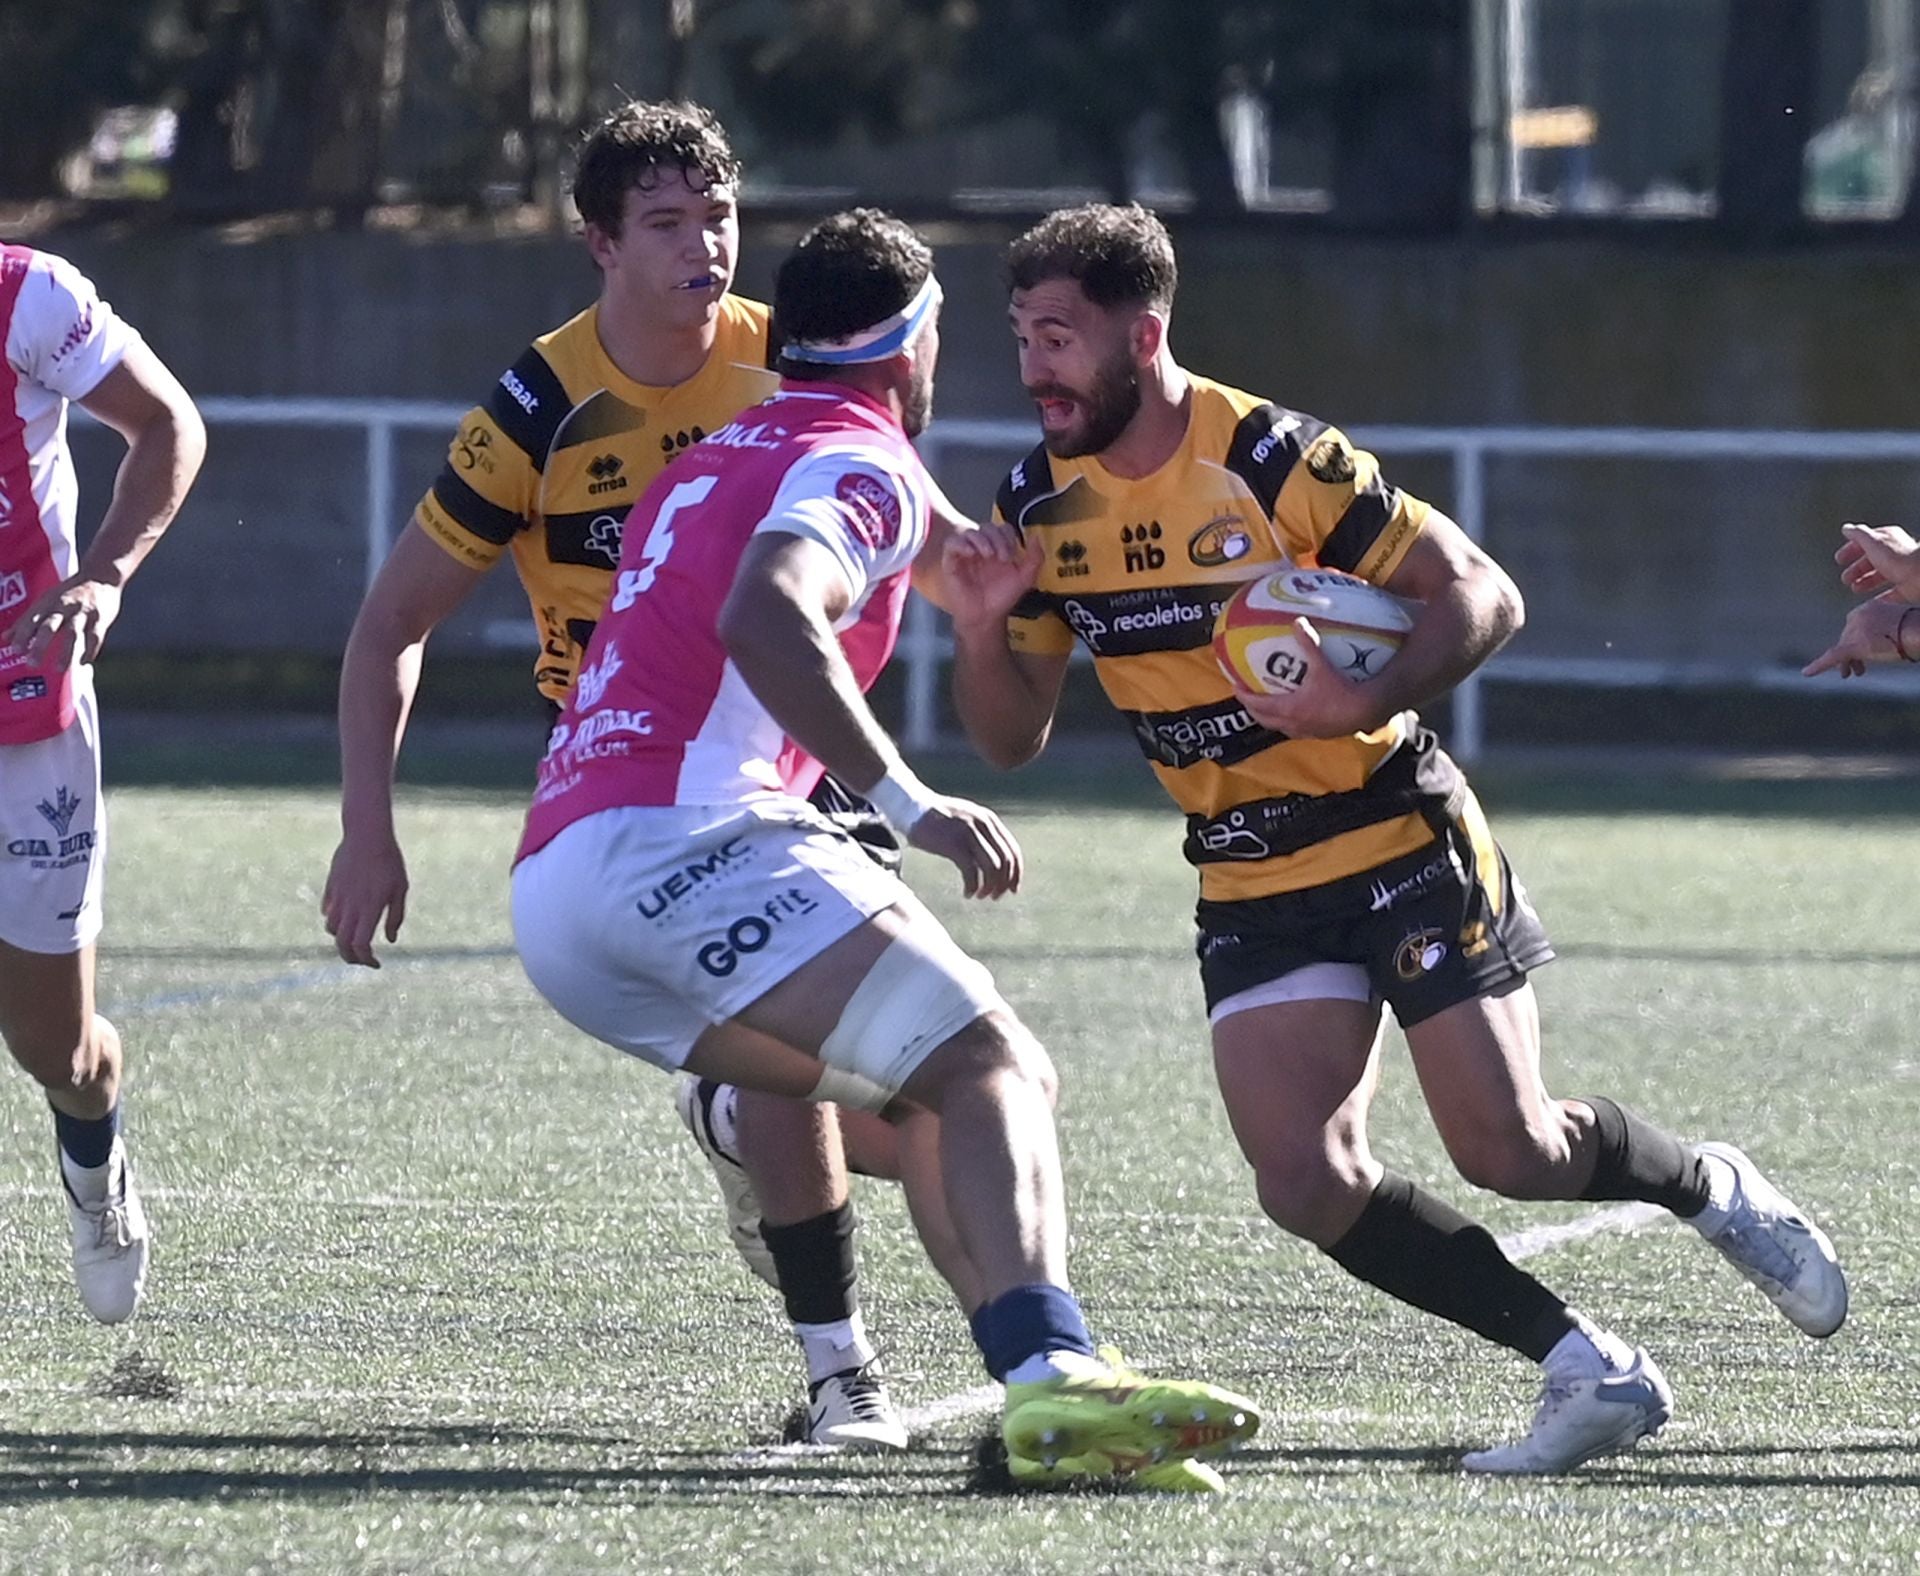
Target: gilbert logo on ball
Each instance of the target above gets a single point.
(1360, 628)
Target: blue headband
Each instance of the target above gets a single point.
(888, 337)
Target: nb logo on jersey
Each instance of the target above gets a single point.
(674, 442)
(1141, 554)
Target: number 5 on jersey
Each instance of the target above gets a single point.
(635, 583)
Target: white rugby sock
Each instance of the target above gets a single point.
(1587, 1352)
(834, 1348)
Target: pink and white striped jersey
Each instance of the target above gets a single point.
(659, 714)
(61, 340)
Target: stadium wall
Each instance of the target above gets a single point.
(1640, 331)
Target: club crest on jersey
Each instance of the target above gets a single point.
(1222, 540)
(1331, 460)
(872, 509)
(13, 589)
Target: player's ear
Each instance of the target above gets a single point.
(599, 245)
(1147, 336)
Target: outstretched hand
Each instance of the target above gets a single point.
(1876, 558)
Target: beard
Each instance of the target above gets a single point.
(917, 413)
(1109, 406)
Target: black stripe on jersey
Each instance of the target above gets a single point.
(1027, 483)
(1222, 733)
(1131, 623)
(1360, 527)
(1266, 445)
(486, 520)
(591, 538)
(528, 404)
(1028, 496)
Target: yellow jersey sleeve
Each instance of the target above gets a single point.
(490, 486)
(1335, 509)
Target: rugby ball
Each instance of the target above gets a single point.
(1360, 628)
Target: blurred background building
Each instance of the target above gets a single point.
(1625, 284)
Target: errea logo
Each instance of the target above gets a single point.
(603, 471)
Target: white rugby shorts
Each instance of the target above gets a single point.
(645, 924)
(53, 836)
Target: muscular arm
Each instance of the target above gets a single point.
(166, 441)
(1470, 609)
(417, 588)
(777, 625)
(1006, 698)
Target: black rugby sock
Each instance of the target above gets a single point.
(1637, 1160)
(1425, 1252)
(814, 1260)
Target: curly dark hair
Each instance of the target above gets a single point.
(1121, 256)
(640, 144)
(847, 273)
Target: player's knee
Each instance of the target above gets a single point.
(1515, 1160)
(64, 1054)
(1302, 1186)
(994, 1056)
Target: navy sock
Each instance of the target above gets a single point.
(87, 1141)
(1027, 1321)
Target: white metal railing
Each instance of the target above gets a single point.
(925, 646)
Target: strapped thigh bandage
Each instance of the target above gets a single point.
(919, 993)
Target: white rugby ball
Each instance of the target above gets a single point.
(1360, 628)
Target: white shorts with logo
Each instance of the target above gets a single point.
(645, 924)
(53, 836)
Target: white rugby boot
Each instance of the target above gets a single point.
(110, 1242)
(695, 1100)
(1767, 1238)
(1580, 1417)
(853, 1410)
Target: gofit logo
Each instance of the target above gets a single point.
(751, 932)
(1071, 557)
(1141, 554)
(605, 469)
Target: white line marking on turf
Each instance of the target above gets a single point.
(1517, 1245)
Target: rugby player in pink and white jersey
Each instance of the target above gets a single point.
(56, 605)
(677, 897)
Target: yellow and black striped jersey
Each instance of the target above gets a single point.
(549, 465)
(1136, 571)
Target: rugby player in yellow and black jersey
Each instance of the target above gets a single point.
(546, 469)
(1343, 862)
